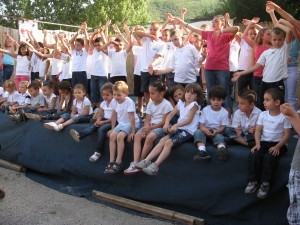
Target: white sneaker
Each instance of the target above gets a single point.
(131, 169)
(151, 170)
(95, 157)
(58, 127)
(50, 125)
(143, 164)
(75, 135)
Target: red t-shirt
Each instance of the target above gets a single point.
(218, 50)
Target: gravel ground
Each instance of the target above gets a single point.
(30, 203)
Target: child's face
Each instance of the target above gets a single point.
(33, 92)
(79, 94)
(244, 105)
(98, 45)
(190, 97)
(22, 89)
(107, 95)
(154, 30)
(46, 91)
(177, 95)
(252, 34)
(217, 24)
(269, 102)
(120, 96)
(267, 36)
(118, 46)
(155, 95)
(216, 103)
(63, 93)
(177, 41)
(24, 50)
(277, 40)
(8, 89)
(165, 36)
(78, 46)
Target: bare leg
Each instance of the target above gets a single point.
(148, 144)
(140, 104)
(112, 146)
(137, 147)
(158, 148)
(165, 152)
(241, 140)
(120, 146)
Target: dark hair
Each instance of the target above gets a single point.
(38, 82)
(80, 86)
(41, 44)
(195, 89)
(276, 94)
(98, 39)
(167, 31)
(34, 86)
(170, 92)
(80, 40)
(118, 40)
(48, 84)
(258, 39)
(217, 91)
(158, 85)
(23, 46)
(278, 31)
(64, 85)
(108, 86)
(249, 95)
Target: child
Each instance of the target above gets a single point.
(294, 178)
(213, 120)
(81, 111)
(102, 124)
(156, 113)
(37, 99)
(244, 120)
(123, 112)
(179, 133)
(23, 100)
(12, 95)
(271, 135)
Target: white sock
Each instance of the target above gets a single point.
(202, 148)
(221, 145)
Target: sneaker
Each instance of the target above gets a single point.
(95, 156)
(252, 187)
(263, 190)
(58, 127)
(222, 153)
(201, 156)
(131, 169)
(76, 137)
(33, 116)
(50, 125)
(151, 170)
(143, 164)
(14, 117)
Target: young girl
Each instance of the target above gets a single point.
(81, 111)
(13, 95)
(173, 95)
(102, 124)
(244, 120)
(23, 100)
(23, 62)
(179, 133)
(156, 113)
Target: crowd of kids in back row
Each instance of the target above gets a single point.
(176, 63)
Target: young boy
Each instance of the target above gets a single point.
(123, 112)
(184, 61)
(271, 134)
(102, 124)
(274, 60)
(213, 120)
(23, 100)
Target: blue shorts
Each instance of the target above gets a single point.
(124, 128)
(180, 137)
(158, 131)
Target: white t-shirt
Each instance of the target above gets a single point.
(13, 97)
(42, 68)
(66, 71)
(150, 49)
(158, 111)
(56, 66)
(273, 126)
(168, 54)
(81, 105)
(107, 108)
(240, 119)
(137, 51)
(184, 64)
(246, 59)
(24, 99)
(118, 61)
(214, 119)
(183, 115)
(89, 66)
(22, 67)
(234, 55)
(122, 111)
(48, 100)
(2, 93)
(99, 64)
(275, 62)
(34, 63)
(79, 60)
(37, 100)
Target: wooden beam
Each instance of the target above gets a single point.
(148, 209)
(12, 166)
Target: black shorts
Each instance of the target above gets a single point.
(146, 80)
(137, 86)
(114, 79)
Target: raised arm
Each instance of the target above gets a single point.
(46, 45)
(176, 20)
(120, 35)
(72, 40)
(8, 53)
(250, 24)
(107, 24)
(285, 26)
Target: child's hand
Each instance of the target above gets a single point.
(157, 72)
(288, 110)
(166, 128)
(236, 76)
(183, 11)
(108, 22)
(227, 17)
(238, 131)
(271, 5)
(116, 29)
(109, 132)
(208, 131)
(98, 123)
(130, 137)
(150, 69)
(145, 131)
(251, 129)
(256, 147)
(173, 129)
(84, 26)
(274, 151)
(255, 20)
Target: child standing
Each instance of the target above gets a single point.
(102, 124)
(123, 112)
(81, 111)
(213, 120)
(156, 113)
(244, 120)
(271, 135)
(180, 132)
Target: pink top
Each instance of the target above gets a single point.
(218, 50)
(258, 51)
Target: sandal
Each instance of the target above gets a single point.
(117, 167)
(109, 167)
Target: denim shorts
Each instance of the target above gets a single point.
(158, 131)
(293, 215)
(124, 128)
(180, 137)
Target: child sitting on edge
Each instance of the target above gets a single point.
(156, 113)
(271, 135)
(23, 100)
(244, 120)
(102, 124)
(81, 111)
(179, 133)
(12, 95)
(213, 120)
(123, 112)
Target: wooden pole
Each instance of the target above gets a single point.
(148, 209)
(12, 166)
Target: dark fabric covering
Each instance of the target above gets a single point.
(211, 190)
